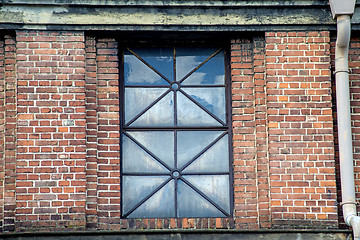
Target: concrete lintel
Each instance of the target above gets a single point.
(104, 17)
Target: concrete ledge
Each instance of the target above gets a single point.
(187, 235)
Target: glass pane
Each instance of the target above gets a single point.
(161, 204)
(160, 143)
(190, 143)
(162, 59)
(215, 159)
(136, 160)
(137, 99)
(214, 187)
(211, 73)
(137, 73)
(159, 115)
(136, 188)
(213, 99)
(191, 204)
(189, 114)
(189, 58)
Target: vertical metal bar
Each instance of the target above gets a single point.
(227, 61)
(122, 118)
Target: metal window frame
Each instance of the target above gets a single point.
(226, 126)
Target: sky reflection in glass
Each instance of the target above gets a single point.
(213, 99)
(188, 59)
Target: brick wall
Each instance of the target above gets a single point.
(59, 124)
(50, 183)
(301, 149)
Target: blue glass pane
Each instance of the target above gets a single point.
(213, 99)
(137, 73)
(215, 159)
(160, 143)
(189, 58)
(214, 187)
(189, 114)
(137, 99)
(190, 143)
(159, 115)
(161, 204)
(136, 188)
(211, 73)
(191, 204)
(135, 159)
(162, 59)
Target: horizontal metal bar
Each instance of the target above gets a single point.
(147, 86)
(197, 128)
(205, 173)
(145, 174)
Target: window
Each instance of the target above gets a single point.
(175, 133)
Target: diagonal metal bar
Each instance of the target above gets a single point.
(205, 197)
(148, 107)
(147, 64)
(147, 197)
(203, 151)
(202, 107)
(206, 60)
(148, 151)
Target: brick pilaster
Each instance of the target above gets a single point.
(108, 135)
(10, 135)
(91, 133)
(262, 157)
(51, 184)
(244, 143)
(301, 148)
